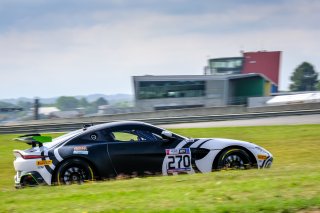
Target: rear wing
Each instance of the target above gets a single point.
(34, 139)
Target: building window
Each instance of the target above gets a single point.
(226, 65)
(170, 89)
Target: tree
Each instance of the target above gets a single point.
(67, 103)
(318, 85)
(83, 102)
(304, 78)
(25, 104)
(6, 105)
(101, 101)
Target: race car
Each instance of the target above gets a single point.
(127, 148)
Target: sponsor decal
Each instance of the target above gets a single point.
(262, 157)
(184, 151)
(80, 150)
(177, 151)
(94, 137)
(179, 160)
(43, 162)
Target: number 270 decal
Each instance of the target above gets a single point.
(179, 160)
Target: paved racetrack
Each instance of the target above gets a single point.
(281, 120)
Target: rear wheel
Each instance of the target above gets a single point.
(28, 180)
(74, 171)
(234, 158)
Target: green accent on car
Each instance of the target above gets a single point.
(42, 139)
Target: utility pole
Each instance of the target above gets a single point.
(36, 109)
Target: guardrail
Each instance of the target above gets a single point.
(61, 127)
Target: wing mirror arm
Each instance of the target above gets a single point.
(167, 135)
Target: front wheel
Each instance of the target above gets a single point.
(74, 171)
(234, 158)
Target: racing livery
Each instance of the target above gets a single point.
(128, 148)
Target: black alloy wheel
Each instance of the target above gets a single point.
(74, 171)
(234, 158)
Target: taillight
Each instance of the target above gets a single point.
(29, 156)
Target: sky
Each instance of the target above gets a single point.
(80, 47)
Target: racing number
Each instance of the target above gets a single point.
(178, 160)
(183, 161)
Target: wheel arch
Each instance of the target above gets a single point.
(93, 167)
(216, 159)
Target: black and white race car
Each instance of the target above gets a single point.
(128, 148)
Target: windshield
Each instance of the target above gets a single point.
(62, 138)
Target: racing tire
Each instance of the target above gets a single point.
(234, 159)
(74, 171)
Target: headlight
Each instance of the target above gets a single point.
(262, 153)
(262, 150)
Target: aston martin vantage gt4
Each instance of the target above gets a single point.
(128, 148)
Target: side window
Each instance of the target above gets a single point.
(124, 136)
(91, 137)
(134, 136)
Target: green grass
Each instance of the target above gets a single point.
(291, 185)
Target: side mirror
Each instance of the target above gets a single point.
(167, 134)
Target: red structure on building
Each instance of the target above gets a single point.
(266, 63)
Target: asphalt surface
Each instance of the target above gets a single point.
(281, 120)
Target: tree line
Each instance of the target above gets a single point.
(64, 103)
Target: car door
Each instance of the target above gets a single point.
(138, 150)
(93, 147)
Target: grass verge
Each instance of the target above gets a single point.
(291, 185)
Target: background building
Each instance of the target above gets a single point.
(263, 62)
(227, 81)
(187, 91)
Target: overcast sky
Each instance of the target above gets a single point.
(79, 47)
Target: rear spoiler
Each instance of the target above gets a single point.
(34, 139)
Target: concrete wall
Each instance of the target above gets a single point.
(178, 113)
(149, 104)
(150, 114)
(258, 101)
(289, 107)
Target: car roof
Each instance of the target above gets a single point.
(118, 124)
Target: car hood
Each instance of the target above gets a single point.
(219, 143)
